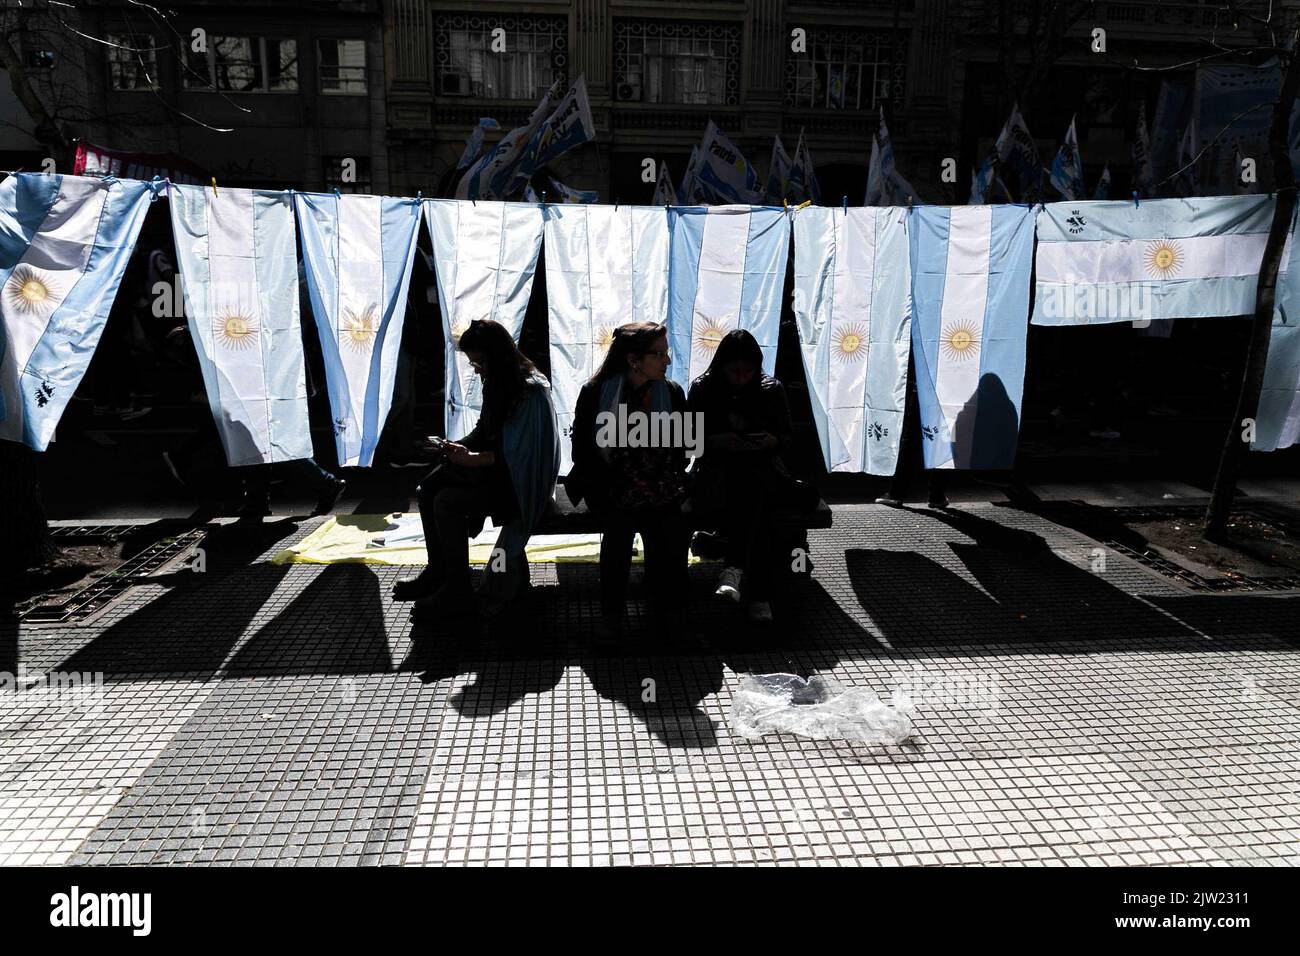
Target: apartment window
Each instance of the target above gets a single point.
(535, 56)
(661, 61)
(342, 66)
(845, 70)
(333, 166)
(242, 64)
(132, 62)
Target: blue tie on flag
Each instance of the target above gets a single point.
(606, 266)
(852, 303)
(64, 244)
(485, 255)
(237, 252)
(1101, 262)
(727, 270)
(970, 300)
(357, 253)
(1067, 167)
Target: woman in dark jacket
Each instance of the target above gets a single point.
(741, 476)
(632, 489)
(504, 468)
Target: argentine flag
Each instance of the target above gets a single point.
(1278, 416)
(485, 255)
(1112, 261)
(970, 302)
(852, 302)
(606, 266)
(237, 253)
(64, 244)
(727, 272)
(357, 252)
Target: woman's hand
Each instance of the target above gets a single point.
(460, 455)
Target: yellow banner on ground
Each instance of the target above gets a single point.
(398, 539)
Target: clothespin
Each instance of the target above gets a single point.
(806, 202)
(1135, 199)
(844, 205)
(214, 186)
(337, 195)
(156, 183)
(543, 197)
(419, 194)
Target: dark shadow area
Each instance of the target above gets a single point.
(334, 626)
(187, 632)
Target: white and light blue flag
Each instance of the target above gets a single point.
(852, 303)
(1067, 167)
(357, 253)
(894, 189)
(64, 244)
(569, 126)
(1277, 420)
(665, 195)
(1103, 184)
(494, 172)
(606, 266)
(722, 174)
(727, 270)
(236, 250)
(1114, 261)
(474, 144)
(970, 311)
(778, 174)
(686, 194)
(485, 256)
(803, 176)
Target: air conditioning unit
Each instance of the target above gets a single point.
(455, 84)
(628, 92)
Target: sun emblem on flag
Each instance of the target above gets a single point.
(457, 330)
(960, 341)
(235, 329)
(709, 333)
(1164, 258)
(359, 328)
(850, 342)
(31, 292)
(604, 338)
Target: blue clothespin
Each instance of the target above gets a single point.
(1135, 199)
(419, 194)
(156, 184)
(337, 195)
(844, 205)
(543, 197)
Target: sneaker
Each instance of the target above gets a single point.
(939, 501)
(729, 584)
(422, 585)
(891, 502)
(329, 497)
(760, 612)
(175, 472)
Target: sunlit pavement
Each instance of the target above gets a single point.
(1073, 708)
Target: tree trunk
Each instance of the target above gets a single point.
(1252, 381)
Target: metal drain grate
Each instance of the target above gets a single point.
(98, 593)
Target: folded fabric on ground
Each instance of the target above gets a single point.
(398, 539)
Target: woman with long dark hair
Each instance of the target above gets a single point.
(504, 468)
(741, 477)
(632, 489)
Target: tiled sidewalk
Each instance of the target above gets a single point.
(1073, 713)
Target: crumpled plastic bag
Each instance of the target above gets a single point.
(819, 709)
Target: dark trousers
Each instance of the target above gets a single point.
(663, 535)
(744, 491)
(257, 482)
(454, 502)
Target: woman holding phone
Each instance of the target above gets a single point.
(504, 468)
(741, 476)
(633, 489)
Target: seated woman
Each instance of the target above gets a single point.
(741, 476)
(505, 468)
(632, 489)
